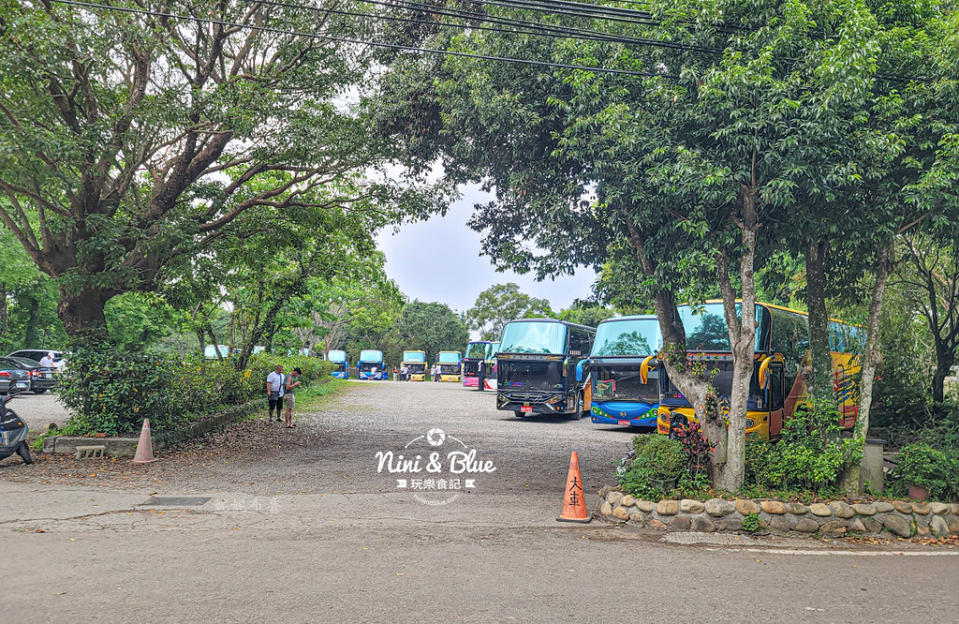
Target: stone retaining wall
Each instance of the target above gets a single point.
(835, 518)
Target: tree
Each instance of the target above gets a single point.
(430, 327)
(930, 280)
(131, 141)
(501, 303)
(740, 115)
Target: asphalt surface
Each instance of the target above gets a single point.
(301, 527)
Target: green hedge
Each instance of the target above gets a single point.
(111, 393)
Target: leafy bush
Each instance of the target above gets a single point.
(936, 470)
(810, 455)
(657, 459)
(111, 392)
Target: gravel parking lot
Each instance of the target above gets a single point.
(39, 410)
(334, 450)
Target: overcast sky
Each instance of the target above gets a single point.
(439, 260)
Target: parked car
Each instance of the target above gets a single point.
(13, 379)
(38, 354)
(42, 378)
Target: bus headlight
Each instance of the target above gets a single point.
(750, 423)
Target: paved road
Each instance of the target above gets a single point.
(300, 527)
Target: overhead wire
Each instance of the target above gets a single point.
(526, 27)
(363, 42)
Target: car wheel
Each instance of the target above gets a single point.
(24, 452)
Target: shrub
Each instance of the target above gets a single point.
(657, 459)
(810, 455)
(111, 392)
(936, 470)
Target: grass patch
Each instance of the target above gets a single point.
(315, 396)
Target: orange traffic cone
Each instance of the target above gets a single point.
(144, 454)
(574, 502)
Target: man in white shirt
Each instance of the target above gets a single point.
(274, 392)
(47, 360)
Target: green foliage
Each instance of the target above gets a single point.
(810, 455)
(935, 469)
(136, 321)
(501, 303)
(751, 523)
(430, 327)
(112, 392)
(659, 461)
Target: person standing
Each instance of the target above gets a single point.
(289, 397)
(47, 360)
(274, 392)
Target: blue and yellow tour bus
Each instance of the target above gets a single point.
(449, 364)
(338, 357)
(778, 384)
(415, 363)
(371, 365)
(622, 365)
(542, 367)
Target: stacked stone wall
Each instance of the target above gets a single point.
(833, 518)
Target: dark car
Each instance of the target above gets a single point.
(42, 378)
(13, 379)
(38, 354)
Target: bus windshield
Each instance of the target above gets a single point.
(449, 357)
(371, 355)
(476, 350)
(706, 327)
(492, 349)
(336, 356)
(533, 337)
(414, 356)
(628, 336)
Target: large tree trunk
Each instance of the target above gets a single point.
(945, 358)
(673, 357)
(82, 313)
(742, 340)
(820, 383)
(872, 356)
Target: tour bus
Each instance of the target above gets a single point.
(338, 357)
(777, 386)
(622, 366)
(487, 369)
(449, 365)
(371, 364)
(542, 367)
(475, 357)
(415, 363)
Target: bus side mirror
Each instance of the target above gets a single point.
(580, 368)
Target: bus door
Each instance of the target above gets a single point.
(776, 398)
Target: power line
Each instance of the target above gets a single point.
(528, 28)
(380, 44)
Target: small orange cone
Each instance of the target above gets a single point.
(144, 454)
(574, 502)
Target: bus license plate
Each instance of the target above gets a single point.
(526, 408)
(623, 423)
